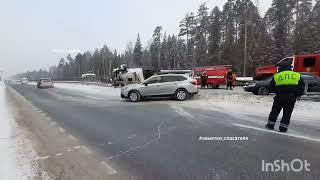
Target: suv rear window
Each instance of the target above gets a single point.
(172, 78)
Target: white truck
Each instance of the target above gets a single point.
(24, 81)
(123, 75)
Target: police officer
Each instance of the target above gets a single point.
(288, 87)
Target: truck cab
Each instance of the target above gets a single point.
(304, 63)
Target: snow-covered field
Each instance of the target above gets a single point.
(17, 155)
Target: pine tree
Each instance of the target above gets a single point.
(164, 52)
(314, 27)
(214, 38)
(155, 48)
(228, 31)
(137, 53)
(187, 28)
(281, 19)
(302, 39)
(200, 53)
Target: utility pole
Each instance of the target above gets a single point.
(245, 41)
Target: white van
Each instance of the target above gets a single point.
(24, 81)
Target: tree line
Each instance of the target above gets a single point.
(236, 35)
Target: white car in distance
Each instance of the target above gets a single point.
(45, 83)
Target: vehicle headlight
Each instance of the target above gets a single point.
(124, 88)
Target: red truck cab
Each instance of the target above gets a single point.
(217, 75)
(305, 63)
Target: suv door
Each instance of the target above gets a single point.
(150, 87)
(171, 83)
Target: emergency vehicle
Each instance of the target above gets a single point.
(217, 75)
(303, 63)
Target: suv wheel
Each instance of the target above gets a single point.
(263, 91)
(181, 94)
(134, 96)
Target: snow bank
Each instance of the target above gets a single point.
(17, 155)
(239, 102)
(90, 89)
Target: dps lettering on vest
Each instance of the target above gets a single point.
(287, 78)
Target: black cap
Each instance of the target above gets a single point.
(284, 66)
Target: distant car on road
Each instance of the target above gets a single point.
(179, 86)
(45, 83)
(262, 87)
(24, 81)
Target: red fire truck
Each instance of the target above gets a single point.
(216, 75)
(304, 63)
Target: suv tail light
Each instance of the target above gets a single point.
(194, 82)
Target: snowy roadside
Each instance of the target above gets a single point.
(17, 153)
(239, 102)
(90, 89)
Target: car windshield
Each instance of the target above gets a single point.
(159, 90)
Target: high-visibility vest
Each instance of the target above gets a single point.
(287, 78)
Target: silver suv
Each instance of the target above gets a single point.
(169, 85)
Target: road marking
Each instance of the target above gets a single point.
(76, 147)
(92, 97)
(279, 133)
(42, 157)
(72, 137)
(132, 136)
(69, 150)
(53, 123)
(62, 130)
(187, 115)
(182, 112)
(110, 170)
(110, 143)
(86, 150)
(59, 154)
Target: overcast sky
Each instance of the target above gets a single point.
(36, 33)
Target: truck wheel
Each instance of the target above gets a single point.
(263, 91)
(134, 96)
(181, 95)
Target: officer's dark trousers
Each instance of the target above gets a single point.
(229, 84)
(283, 102)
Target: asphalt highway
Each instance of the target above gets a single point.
(162, 140)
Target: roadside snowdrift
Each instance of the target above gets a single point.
(17, 155)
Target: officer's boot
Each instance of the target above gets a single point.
(283, 129)
(270, 126)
